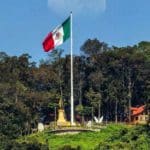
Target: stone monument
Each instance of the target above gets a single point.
(61, 115)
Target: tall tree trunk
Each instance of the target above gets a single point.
(16, 98)
(116, 111)
(55, 117)
(129, 96)
(92, 114)
(80, 92)
(80, 100)
(99, 109)
(99, 104)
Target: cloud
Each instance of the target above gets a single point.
(87, 7)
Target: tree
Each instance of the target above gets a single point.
(94, 47)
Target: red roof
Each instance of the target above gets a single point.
(137, 110)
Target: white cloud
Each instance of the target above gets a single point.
(77, 6)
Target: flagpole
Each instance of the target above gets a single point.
(72, 97)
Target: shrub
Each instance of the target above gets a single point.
(25, 146)
(68, 147)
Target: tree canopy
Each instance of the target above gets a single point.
(107, 80)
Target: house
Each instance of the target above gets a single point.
(139, 115)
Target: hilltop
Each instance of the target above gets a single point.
(112, 137)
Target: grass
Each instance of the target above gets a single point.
(112, 137)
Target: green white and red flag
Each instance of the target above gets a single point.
(58, 36)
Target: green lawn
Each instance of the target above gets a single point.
(112, 137)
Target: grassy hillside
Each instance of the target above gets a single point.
(112, 137)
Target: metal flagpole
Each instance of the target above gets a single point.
(72, 97)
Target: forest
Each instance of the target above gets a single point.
(107, 82)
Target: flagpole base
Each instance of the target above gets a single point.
(73, 124)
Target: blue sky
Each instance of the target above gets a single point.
(25, 23)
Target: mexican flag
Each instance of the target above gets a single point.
(59, 35)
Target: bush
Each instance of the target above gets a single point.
(25, 146)
(68, 147)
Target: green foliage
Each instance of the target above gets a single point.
(25, 146)
(112, 137)
(68, 147)
(127, 138)
(94, 47)
(105, 79)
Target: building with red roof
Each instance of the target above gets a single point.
(139, 115)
